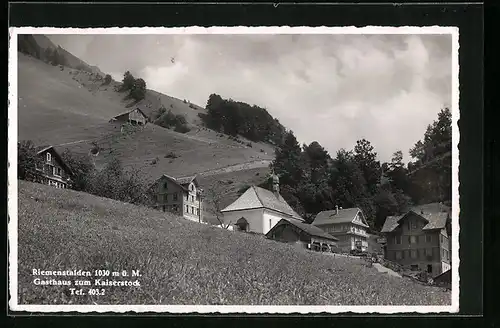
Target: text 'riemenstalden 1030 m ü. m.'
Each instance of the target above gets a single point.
(38, 272)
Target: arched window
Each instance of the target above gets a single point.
(49, 157)
(242, 224)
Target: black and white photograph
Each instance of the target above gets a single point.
(234, 169)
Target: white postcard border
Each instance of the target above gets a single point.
(13, 185)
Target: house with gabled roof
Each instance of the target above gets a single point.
(182, 196)
(295, 231)
(348, 225)
(420, 239)
(52, 170)
(135, 117)
(258, 210)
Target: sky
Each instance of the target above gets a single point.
(334, 89)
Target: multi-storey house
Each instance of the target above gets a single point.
(347, 225)
(420, 239)
(181, 196)
(52, 170)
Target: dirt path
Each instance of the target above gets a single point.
(237, 167)
(74, 142)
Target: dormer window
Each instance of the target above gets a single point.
(49, 157)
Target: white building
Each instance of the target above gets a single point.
(258, 210)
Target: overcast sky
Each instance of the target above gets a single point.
(334, 89)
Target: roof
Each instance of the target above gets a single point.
(185, 180)
(181, 182)
(256, 197)
(43, 149)
(391, 223)
(443, 277)
(130, 111)
(346, 215)
(435, 214)
(307, 228)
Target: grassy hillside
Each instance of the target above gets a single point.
(54, 108)
(184, 262)
(72, 107)
(156, 151)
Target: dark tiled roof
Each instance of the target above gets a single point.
(435, 214)
(185, 180)
(343, 216)
(130, 111)
(391, 223)
(307, 228)
(181, 182)
(256, 197)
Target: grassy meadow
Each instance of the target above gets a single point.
(184, 262)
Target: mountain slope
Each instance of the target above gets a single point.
(72, 108)
(184, 262)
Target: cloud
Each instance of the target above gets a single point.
(334, 89)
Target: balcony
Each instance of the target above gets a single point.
(358, 232)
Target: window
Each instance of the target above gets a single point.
(187, 208)
(428, 252)
(399, 255)
(165, 185)
(397, 240)
(414, 225)
(49, 157)
(413, 240)
(175, 196)
(270, 223)
(409, 225)
(446, 255)
(56, 171)
(428, 238)
(198, 211)
(429, 268)
(413, 254)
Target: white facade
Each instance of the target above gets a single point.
(259, 220)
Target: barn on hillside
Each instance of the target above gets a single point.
(134, 117)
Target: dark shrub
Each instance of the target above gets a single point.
(171, 155)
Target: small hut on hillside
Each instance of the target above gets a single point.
(134, 117)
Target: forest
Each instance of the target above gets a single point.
(312, 181)
(239, 118)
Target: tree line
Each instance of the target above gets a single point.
(239, 118)
(55, 56)
(312, 181)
